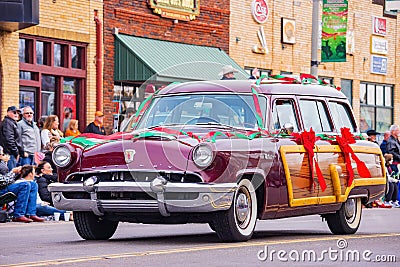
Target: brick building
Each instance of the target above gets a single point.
(160, 42)
(48, 60)
(374, 97)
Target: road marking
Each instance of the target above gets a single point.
(192, 249)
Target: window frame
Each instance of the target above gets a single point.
(295, 109)
(60, 72)
(325, 107)
(349, 111)
(369, 104)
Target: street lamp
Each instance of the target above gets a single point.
(314, 38)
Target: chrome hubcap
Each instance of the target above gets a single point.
(350, 208)
(242, 208)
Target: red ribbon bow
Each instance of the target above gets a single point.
(344, 142)
(308, 140)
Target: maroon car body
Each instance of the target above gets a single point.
(221, 153)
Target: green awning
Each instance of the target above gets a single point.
(140, 59)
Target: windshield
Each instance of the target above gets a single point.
(200, 109)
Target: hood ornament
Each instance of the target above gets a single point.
(129, 155)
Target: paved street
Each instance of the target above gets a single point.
(57, 243)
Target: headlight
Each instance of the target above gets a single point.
(61, 156)
(203, 156)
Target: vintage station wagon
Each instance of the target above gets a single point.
(226, 153)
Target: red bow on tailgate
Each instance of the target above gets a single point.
(308, 140)
(344, 142)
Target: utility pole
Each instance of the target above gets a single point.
(314, 38)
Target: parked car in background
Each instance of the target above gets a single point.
(226, 153)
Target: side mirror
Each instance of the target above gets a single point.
(288, 128)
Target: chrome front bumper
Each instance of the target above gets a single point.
(210, 197)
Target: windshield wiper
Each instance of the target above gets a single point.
(217, 124)
(164, 125)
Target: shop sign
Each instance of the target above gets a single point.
(379, 65)
(379, 26)
(260, 10)
(379, 45)
(185, 10)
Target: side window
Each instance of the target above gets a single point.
(341, 116)
(284, 112)
(315, 115)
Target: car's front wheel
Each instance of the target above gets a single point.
(92, 227)
(347, 219)
(238, 223)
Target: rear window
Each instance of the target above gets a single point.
(341, 115)
(315, 115)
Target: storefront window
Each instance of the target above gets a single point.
(39, 52)
(76, 57)
(54, 90)
(42, 53)
(27, 97)
(71, 87)
(59, 59)
(376, 110)
(48, 95)
(347, 89)
(363, 93)
(25, 51)
(25, 75)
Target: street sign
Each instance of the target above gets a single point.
(379, 65)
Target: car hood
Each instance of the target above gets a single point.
(161, 149)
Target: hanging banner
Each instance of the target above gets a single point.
(334, 28)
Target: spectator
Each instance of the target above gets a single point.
(228, 73)
(255, 74)
(393, 146)
(3, 162)
(19, 112)
(26, 191)
(10, 137)
(372, 136)
(45, 209)
(72, 129)
(383, 145)
(49, 153)
(30, 137)
(44, 177)
(67, 118)
(128, 114)
(96, 126)
(392, 193)
(50, 131)
(40, 122)
(149, 91)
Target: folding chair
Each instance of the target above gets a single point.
(5, 200)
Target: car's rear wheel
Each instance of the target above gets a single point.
(92, 227)
(238, 223)
(347, 219)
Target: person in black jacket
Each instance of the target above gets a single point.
(44, 177)
(10, 137)
(96, 126)
(393, 146)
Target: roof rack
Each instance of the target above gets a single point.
(305, 79)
